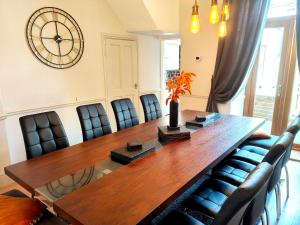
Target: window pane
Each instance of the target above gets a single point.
(280, 8)
(267, 75)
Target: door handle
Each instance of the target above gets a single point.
(135, 86)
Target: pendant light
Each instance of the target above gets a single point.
(214, 14)
(225, 9)
(214, 17)
(222, 31)
(195, 23)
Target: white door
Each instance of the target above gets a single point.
(121, 72)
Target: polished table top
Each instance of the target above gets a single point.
(134, 193)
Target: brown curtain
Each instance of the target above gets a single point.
(237, 51)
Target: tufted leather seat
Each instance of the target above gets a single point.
(224, 202)
(255, 155)
(293, 128)
(233, 171)
(210, 197)
(263, 143)
(151, 107)
(43, 133)
(125, 113)
(237, 168)
(251, 154)
(94, 121)
(177, 217)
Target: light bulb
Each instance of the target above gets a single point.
(225, 11)
(214, 15)
(195, 24)
(222, 29)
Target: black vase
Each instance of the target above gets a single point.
(173, 123)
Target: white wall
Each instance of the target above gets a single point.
(204, 44)
(28, 86)
(32, 84)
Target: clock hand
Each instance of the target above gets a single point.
(59, 51)
(48, 38)
(56, 28)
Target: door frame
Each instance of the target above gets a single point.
(104, 37)
(285, 77)
(162, 39)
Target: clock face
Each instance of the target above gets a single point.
(55, 37)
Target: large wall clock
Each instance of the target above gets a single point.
(55, 37)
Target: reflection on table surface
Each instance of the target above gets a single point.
(69, 183)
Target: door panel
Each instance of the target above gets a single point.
(269, 89)
(121, 66)
(128, 79)
(268, 81)
(115, 67)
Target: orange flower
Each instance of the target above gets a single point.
(179, 86)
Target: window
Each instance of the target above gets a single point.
(282, 8)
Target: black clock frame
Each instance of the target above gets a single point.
(57, 38)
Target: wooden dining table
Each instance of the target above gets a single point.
(138, 192)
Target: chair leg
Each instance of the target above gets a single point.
(276, 197)
(262, 219)
(267, 215)
(278, 202)
(287, 182)
(279, 199)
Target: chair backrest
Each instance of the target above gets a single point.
(151, 107)
(43, 133)
(93, 120)
(294, 126)
(257, 206)
(276, 156)
(237, 205)
(125, 113)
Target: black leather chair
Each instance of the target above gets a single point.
(151, 107)
(293, 128)
(267, 143)
(221, 201)
(257, 153)
(43, 133)
(47, 218)
(178, 217)
(93, 120)
(125, 113)
(238, 167)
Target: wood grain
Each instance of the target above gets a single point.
(139, 191)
